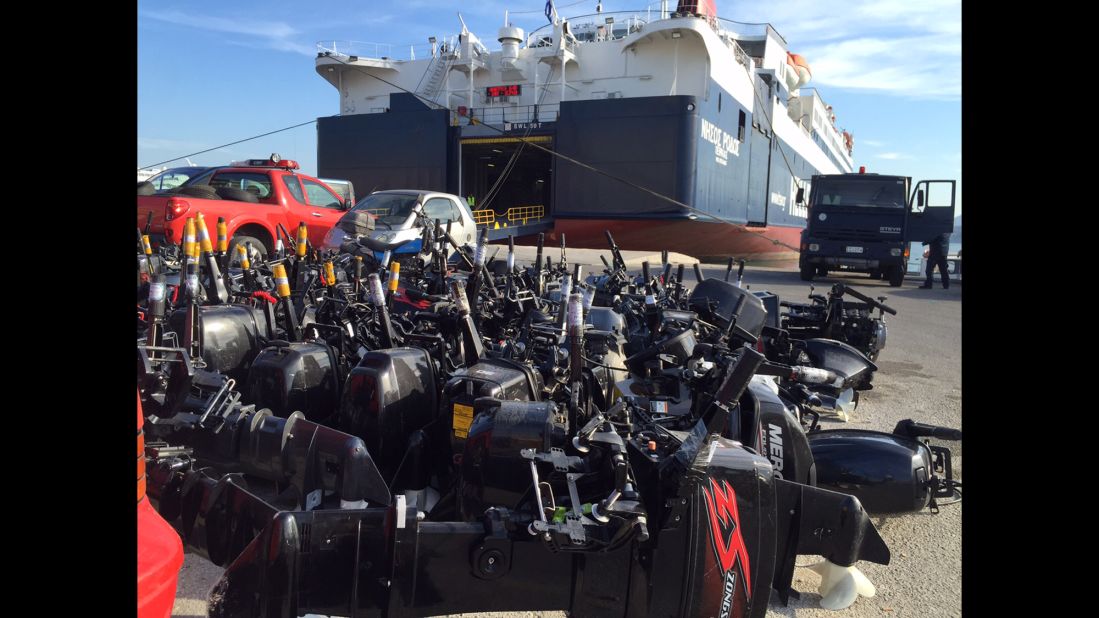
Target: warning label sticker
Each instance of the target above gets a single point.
(463, 418)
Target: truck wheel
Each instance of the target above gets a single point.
(807, 272)
(896, 276)
(237, 195)
(258, 254)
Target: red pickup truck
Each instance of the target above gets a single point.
(253, 199)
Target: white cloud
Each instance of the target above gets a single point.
(872, 143)
(892, 156)
(270, 34)
(893, 47)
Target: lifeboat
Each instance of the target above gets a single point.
(798, 73)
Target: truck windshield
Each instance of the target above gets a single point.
(860, 193)
(388, 208)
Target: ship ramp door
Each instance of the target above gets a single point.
(511, 182)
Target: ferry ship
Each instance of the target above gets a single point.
(663, 126)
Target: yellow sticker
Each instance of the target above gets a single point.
(463, 418)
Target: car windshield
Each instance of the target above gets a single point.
(388, 208)
(172, 178)
(860, 193)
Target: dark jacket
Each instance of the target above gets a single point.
(940, 242)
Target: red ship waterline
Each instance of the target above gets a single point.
(699, 239)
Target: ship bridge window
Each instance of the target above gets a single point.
(740, 125)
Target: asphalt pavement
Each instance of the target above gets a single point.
(919, 377)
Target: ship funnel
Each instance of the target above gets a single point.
(510, 37)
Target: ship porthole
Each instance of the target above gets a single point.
(690, 107)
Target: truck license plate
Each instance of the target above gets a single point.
(854, 249)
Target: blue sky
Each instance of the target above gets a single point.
(211, 72)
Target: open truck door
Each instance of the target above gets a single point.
(931, 210)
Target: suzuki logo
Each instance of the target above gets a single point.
(725, 530)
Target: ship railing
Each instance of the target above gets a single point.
(750, 28)
(516, 215)
(484, 217)
(522, 214)
(633, 21)
(515, 114)
(381, 51)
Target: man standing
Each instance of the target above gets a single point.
(936, 256)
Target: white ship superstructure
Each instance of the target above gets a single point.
(600, 86)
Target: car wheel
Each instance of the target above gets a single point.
(896, 276)
(256, 255)
(807, 272)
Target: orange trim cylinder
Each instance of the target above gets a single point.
(159, 548)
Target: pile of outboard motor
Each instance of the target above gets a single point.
(470, 434)
(833, 317)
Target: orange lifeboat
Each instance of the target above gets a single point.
(798, 73)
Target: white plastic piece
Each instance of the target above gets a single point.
(841, 586)
(422, 499)
(575, 314)
(350, 505)
(156, 291)
(589, 297)
(377, 294)
(401, 507)
(845, 403)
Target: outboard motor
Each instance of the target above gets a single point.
(492, 377)
(724, 304)
(387, 397)
(289, 377)
(231, 335)
(888, 473)
(842, 359)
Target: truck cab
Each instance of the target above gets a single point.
(865, 222)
